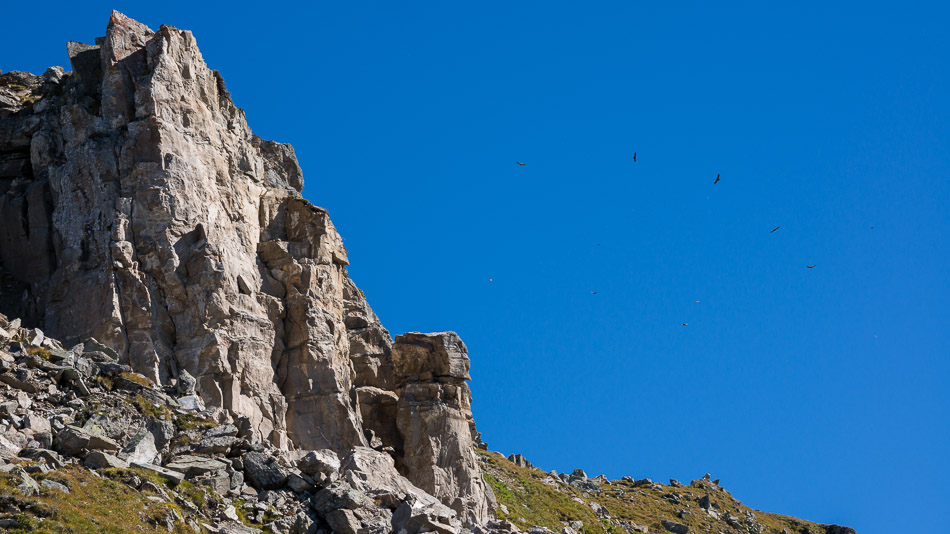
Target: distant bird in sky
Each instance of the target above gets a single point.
(685, 324)
(717, 180)
(522, 164)
(593, 292)
(811, 266)
(598, 244)
(697, 302)
(634, 157)
(774, 229)
(872, 228)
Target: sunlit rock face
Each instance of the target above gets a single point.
(137, 208)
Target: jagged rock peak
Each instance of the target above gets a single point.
(137, 208)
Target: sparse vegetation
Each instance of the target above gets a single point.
(187, 421)
(137, 378)
(93, 505)
(39, 352)
(147, 407)
(531, 502)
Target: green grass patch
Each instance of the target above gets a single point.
(93, 505)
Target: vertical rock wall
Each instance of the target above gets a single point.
(137, 207)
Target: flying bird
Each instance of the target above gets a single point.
(774, 229)
(811, 266)
(593, 292)
(717, 180)
(522, 164)
(685, 324)
(634, 157)
(872, 228)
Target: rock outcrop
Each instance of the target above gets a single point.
(434, 421)
(62, 409)
(138, 209)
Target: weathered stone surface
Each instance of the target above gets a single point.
(519, 460)
(263, 471)
(190, 465)
(174, 476)
(322, 465)
(230, 279)
(348, 509)
(73, 441)
(103, 460)
(434, 419)
(134, 191)
(675, 528)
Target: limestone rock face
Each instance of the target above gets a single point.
(434, 421)
(137, 208)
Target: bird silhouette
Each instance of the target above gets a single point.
(685, 324)
(634, 157)
(717, 180)
(774, 229)
(522, 164)
(811, 266)
(593, 292)
(872, 228)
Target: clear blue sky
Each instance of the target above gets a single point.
(819, 393)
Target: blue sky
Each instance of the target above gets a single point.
(819, 393)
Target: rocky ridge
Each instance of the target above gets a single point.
(138, 209)
(543, 502)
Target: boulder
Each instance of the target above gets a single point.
(414, 517)
(48, 457)
(347, 509)
(191, 466)
(186, 383)
(103, 460)
(28, 487)
(36, 423)
(675, 528)
(75, 441)
(322, 465)
(263, 471)
(168, 474)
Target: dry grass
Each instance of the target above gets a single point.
(93, 505)
(531, 502)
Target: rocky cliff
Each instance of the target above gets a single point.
(138, 213)
(182, 349)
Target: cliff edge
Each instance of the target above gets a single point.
(138, 209)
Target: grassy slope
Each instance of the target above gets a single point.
(531, 502)
(94, 504)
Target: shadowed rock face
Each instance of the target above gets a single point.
(137, 207)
